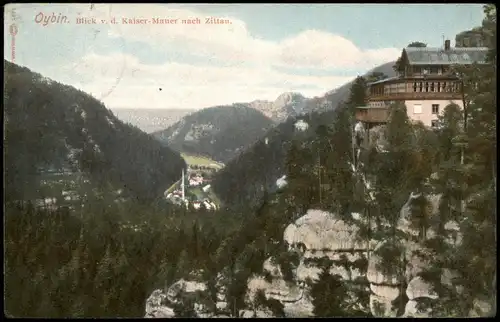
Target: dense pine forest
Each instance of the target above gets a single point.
(55, 128)
(104, 257)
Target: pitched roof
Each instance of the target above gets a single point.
(439, 56)
(384, 80)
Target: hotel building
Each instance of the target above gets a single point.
(425, 83)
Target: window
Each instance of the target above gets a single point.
(417, 108)
(434, 124)
(435, 108)
(439, 87)
(432, 87)
(426, 86)
(415, 86)
(440, 71)
(444, 87)
(434, 69)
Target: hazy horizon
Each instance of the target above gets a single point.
(150, 120)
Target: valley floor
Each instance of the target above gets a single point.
(198, 192)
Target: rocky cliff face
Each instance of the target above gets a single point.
(287, 104)
(315, 237)
(390, 272)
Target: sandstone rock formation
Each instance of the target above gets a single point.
(317, 236)
(388, 271)
(160, 303)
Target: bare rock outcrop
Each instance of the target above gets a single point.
(318, 236)
(385, 277)
(390, 272)
(161, 303)
(155, 307)
(321, 230)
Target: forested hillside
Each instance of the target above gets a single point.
(220, 132)
(245, 178)
(104, 259)
(55, 128)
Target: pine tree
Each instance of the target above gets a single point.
(357, 95)
(195, 247)
(298, 160)
(185, 306)
(328, 295)
(391, 168)
(479, 171)
(399, 129)
(237, 289)
(340, 161)
(103, 280)
(423, 156)
(468, 178)
(183, 265)
(448, 178)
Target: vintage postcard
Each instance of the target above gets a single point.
(250, 160)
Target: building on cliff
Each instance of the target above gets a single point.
(426, 84)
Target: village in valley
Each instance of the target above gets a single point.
(194, 189)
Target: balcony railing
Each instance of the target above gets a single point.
(415, 96)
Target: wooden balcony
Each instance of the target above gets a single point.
(372, 114)
(415, 96)
(415, 88)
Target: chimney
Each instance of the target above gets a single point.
(447, 44)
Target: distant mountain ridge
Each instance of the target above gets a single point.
(219, 132)
(286, 105)
(291, 104)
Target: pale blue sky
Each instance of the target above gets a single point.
(268, 49)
